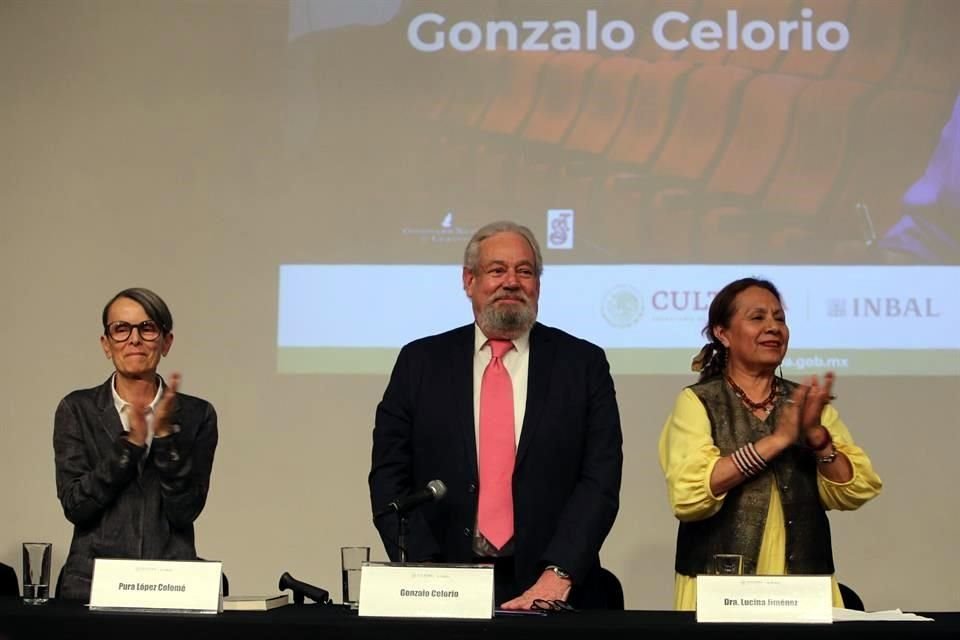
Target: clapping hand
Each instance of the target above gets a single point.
(162, 428)
(818, 396)
(800, 417)
(164, 411)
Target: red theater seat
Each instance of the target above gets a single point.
(696, 139)
(715, 10)
(818, 62)
(648, 121)
(759, 136)
(811, 166)
(817, 147)
(748, 161)
(769, 11)
(709, 101)
(480, 77)
(564, 86)
(515, 100)
(606, 106)
(498, 138)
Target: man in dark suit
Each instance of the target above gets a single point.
(541, 516)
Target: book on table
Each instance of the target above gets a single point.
(255, 603)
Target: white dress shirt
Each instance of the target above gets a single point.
(123, 409)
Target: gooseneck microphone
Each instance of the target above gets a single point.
(434, 491)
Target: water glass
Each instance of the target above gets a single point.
(351, 562)
(36, 572)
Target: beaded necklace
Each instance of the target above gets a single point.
(766, 404)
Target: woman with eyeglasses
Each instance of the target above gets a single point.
(753, 461)
(133, 455)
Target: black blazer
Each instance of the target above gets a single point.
(123, 501)
(566, 481)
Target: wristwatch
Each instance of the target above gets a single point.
(557, 570)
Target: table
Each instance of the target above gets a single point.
(60, 619)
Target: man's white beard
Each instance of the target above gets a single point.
(509, 320)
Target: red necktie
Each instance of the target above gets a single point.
(497, 449)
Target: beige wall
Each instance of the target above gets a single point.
(147, 144)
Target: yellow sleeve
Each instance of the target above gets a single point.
(864, 485)
(687, 457)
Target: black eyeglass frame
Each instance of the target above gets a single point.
(144, 329)
(552, 606)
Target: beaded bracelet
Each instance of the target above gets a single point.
(748, 461)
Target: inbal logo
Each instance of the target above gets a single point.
(882, 307)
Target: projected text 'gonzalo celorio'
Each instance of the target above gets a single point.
(671, 30)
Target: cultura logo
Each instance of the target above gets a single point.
(682, 300)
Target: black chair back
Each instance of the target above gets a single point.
(601, 590)
(612, 589)
(9, 585)
(850, 598)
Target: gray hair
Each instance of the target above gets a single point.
(154, 306)
(471, 256)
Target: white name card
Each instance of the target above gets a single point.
(426, 590)
(151, 585)
(764, 599)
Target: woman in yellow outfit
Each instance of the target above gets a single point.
(753, 461)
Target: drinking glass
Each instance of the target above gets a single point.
(351, 562)
(36, 572)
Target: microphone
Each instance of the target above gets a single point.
(866, 223)
(301, 589)
(435, 490)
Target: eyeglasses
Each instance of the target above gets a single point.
(554, 606)
(120, 331)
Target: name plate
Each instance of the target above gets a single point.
(426, 590)
(150, 585)
(764, 599)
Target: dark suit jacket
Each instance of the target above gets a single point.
(566, 481)
(123, 501)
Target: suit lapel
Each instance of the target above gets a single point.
(176, 412)
(109, 418)
(461, 375)
(542, 353)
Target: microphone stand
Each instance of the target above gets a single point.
(402, 537)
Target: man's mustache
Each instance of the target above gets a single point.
(511, 296)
